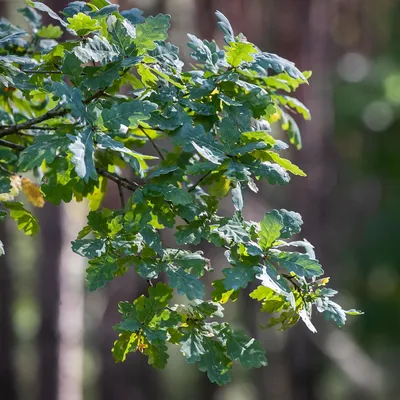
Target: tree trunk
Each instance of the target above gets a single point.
(71, 322)
(303, 37)
(7, 340)
(49, 296)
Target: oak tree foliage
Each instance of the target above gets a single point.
(80, 97)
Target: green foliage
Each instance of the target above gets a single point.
(64, 118)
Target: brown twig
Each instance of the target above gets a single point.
(199, 181)
(153, 143)
(118, 180)
(57, 111)
(11, 145)
(121, 195)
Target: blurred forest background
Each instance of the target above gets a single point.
(55, 337)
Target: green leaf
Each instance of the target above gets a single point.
(5, 184)
(215, 362)
(265, 61)
(331, 310)
(238, 52)
(123, 34)
(274, 173)
(205, 52)
(226, 27)
(271, 280)
(238, 276)
(134, 16)
(50, 32)
(26, 222)
(44, 149)
(90, 248)
(296, 105)
(270, 229)
(189, 234)
(72, 67)
(82, 149)
(237, 197)
(42, 7)
(82, 24)
(293, 131)
(170, 193)
(72, 97)
(158, 355)
(129, 113)
(189, 136)
(271, 301)
(185, 283)
(126, 343)
(354, 312)
(220, 294)
(288, 165)
(99, 272)
(192, 345)
(152, 30)
(96, 49)
(292, 222)
(300, 264)
(240, 347)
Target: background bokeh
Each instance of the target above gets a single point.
(55, 337)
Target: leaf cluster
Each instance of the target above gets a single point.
(79, 98)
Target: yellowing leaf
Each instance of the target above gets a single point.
(220, 187)
(32, 193)
(96, 198)
(15, 181)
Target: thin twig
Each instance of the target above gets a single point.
(57, 111)
(11, 145)
(121, 195)
(153, 143)
(199, 181)
(291, 279)
(118, 180)
(33, 71)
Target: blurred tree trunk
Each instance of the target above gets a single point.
(7, 340)
(303, 37)
(7, 367)
(49, 285)
(49, 297)
(71, 321)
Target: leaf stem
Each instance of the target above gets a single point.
(157, 149)
(199, 181)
